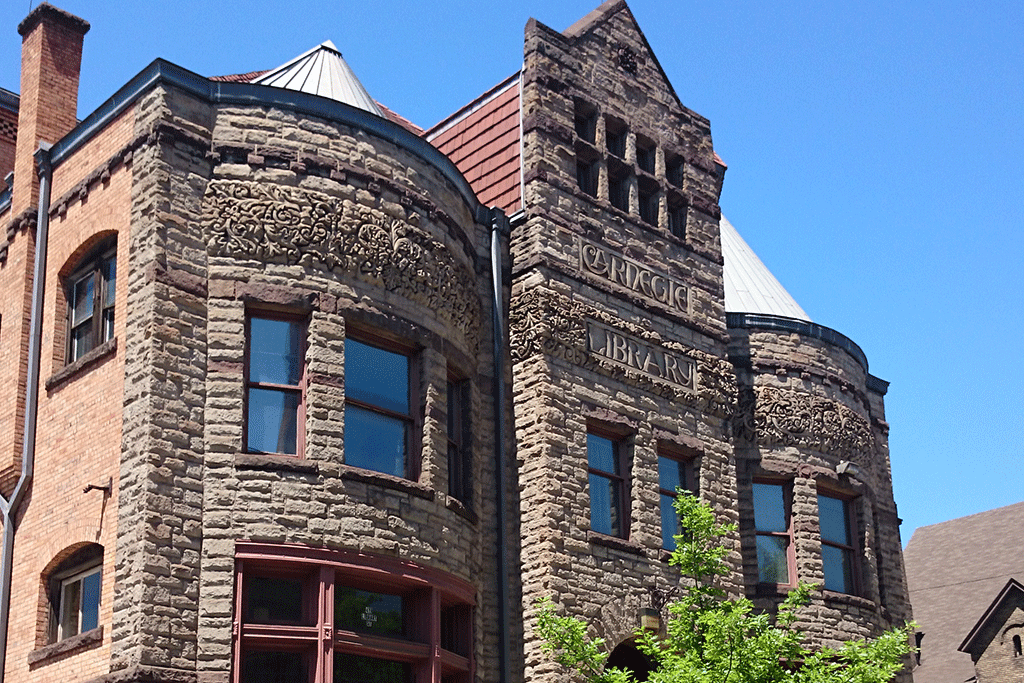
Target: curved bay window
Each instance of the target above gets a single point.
(90, 296)
(317, 616)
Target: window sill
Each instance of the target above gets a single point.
(459, 508)
(614, 542)
(772, 590)
(107, 348)
(82, 641)
(388, 481)
(277, 463)
(847, 599)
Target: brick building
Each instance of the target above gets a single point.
(299, 391)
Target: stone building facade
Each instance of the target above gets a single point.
(298, 391)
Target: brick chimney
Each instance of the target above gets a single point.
(51, 58)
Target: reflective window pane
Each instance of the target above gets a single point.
(833, 520)
(376, 376)
(260, 666)
(669, 522)
(367, 612)
(357, 669)
(272, 421)
(601, 454)
(374, 441)
(90, 601)
(671, 473)
(605, 506)
(838, 569)
(769, 508)
(109, 280)
(772, 563)
(81, 340)
(82, 299)
(275, 351)
(273, 600)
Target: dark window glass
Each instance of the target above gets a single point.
(455, 636)
(274, 396)
(586, 176)
(607, 486)
(649, 207)
(771, 520)
(837, 550)
(91, 305)
(618, 193)
(358, 669)
(645, 156)
(273, 600)
(585, 121)
(377, 419)
(458, 440)
(674, 171)
(677, 221)
(615, 138)
(261, 666)
(367, 612)
(671, 477)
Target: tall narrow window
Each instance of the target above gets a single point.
(673, 474)
(458, 440)
(774, 535)
(585, 120)
(274, 385)
(586, 176)
(608, 502)
(837, 549)
(90, 296)
(378, 421)
(618, 192)
(615, 137)
(677, 220)
(649, 205)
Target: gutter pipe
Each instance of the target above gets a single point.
(9, 508)
(499, 225)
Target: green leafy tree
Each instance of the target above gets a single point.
(712, 639)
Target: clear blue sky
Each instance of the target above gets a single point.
(875, 152)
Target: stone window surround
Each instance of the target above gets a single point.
(272, 313)
(439, 597)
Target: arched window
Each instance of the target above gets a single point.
(73, 590)
(90, 296)
(627, 656)
(1016, 646)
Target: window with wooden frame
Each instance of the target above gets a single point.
(773, 522)
(607, 468)
(90, 292)
(838, 550)
(675, 472)
(459, 450)
(378, 408)
(275, 383)
(74, 591)
(313, 615)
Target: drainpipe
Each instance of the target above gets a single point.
(9, 508)
(499, 224)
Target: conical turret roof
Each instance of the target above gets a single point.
(322, 71)
(749, 286)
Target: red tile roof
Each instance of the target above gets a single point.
(482, 140)
(239, 78)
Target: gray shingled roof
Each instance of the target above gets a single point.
(749, 286)
(322, 71)
(954, 571)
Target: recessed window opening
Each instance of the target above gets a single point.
(1016, 646)
(90, 296)
(674, 473)
(674, 170)
(74, 594)
(677, 219)
(606, 472)
(585, 120)
(618, 192)
(275, 369)
(378, 417)
(649, 206)
(586, 176)
(616, 133)
(837, 548)
(459, 460)
(645, 154)
(774, 534)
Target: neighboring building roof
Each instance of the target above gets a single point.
(322, 71)
(996, 614)
(749, 286)
(954, 570)
(482, 139)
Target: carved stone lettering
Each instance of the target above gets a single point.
(634, 276)
(287, 225)
(636, 355)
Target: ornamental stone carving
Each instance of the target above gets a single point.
(773, 417)
(545, 322)
(275, 224)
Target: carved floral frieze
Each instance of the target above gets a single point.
(276, 224)
(545, 322)
(773, 417)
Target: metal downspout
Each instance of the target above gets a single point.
(499, 223)
(9, 508)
